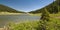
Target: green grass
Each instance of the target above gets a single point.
(7, 13)
(55, 15)
(29, 25)
(51, 15)
(38, 14)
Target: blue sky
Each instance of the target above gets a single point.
(26, 5)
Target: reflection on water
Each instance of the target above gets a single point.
(16, 18)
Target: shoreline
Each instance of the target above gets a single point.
(11, 13)
(38, 14)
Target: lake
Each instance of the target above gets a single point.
(4, 19)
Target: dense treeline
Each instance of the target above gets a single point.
(4, 8)
(52, 8)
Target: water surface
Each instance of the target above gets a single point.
(4, 19)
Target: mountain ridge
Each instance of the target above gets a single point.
(4, 8)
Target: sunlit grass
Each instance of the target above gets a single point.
(51, 15)
(7, 13)
(55, 15)
(28, 25)
(38, 14)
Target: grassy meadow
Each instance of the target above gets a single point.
(7, 13)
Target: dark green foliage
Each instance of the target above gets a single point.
(45, 15)
(4, 8)
(44, 19)
(37, 11)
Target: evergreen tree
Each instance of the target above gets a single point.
(45, 15)
(44, 18)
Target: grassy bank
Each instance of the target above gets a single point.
(27, 25)
(51, 15)
(38, 14)
(55, 15)
(7, 13)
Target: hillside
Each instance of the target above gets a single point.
(4, 8)
(52, 8)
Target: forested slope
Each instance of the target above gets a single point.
(4, 8)
(52, 8)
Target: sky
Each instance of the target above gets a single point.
(26, 5)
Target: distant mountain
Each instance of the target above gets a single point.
(52, 8)
(4, 8)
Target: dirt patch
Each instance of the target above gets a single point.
(1, 29)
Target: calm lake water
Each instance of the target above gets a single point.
(4, 19)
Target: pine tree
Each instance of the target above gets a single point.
(45, 15)
(44, 18)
